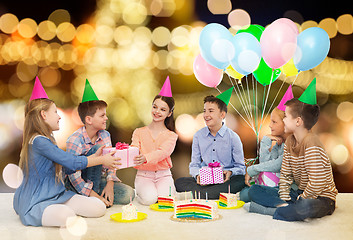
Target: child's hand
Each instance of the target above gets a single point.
(94, 194)
(247, 179)
(277, 139)
(198, 180)
(108, 193)
(111, 161)
(99, 151)
(227, 175)
(140, 159)
(105, 201)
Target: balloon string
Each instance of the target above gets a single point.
(249, 100)
(247, 103)
(270, 108)
(268, 93)
(296, 76)
(237, 111)
(242, 102)
(255, 110)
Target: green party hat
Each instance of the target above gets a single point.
(88, 93)
(225, 96)
(309, 95)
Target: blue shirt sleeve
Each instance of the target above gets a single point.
(270, 161)
(238, 167)
(195, 163)
(43, 146)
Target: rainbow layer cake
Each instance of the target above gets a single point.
(195, 208)
(227, 199)
(165, 202)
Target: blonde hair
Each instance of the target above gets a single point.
(35, 125)
(280, 113)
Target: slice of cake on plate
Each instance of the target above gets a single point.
(129, 212)
(166, 202)
(228, 200)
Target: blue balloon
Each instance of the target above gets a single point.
(313, 45)
(247, 53)
(211, 38)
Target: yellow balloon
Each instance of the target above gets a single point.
(233, 73)
(289, 69)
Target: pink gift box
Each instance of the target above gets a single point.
(211, 175)
(269, 179)
(127, 155)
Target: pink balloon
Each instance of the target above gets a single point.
(289, 23)
(207, 74)
(278, 43)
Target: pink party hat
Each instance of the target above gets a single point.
(166, 90)
(287, 96)
(38, 91)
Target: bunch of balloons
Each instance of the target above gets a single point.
(264, 52)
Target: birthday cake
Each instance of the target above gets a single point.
(228, 199)
(195, 209)
(165, 202)
(129, 212)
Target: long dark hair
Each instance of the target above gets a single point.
(169, 121)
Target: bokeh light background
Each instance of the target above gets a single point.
(126, 48)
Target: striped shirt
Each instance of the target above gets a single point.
(308, 165)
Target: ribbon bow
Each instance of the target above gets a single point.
(214, 164)
(121, 146)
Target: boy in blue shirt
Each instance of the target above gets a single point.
(215, 143)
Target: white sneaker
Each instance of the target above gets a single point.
(246, 206)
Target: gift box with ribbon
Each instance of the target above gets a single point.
(125, 152)
(269, 179)
(211, 174)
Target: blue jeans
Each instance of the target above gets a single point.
(244, 194)
(268, 196)
(122, 192)
(297, 210)
(93, 173)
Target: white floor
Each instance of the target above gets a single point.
(234, 224)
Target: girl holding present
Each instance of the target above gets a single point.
(156, 143)
(42, 199)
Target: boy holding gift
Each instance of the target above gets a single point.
(212, 145)
(306, 163)
(95, 181)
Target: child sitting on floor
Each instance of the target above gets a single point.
(95, 181)
(215, 143)
(156, 143)
(42, 200)
(270, 154)
(306, 163)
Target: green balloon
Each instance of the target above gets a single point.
(263, 73)
(255, 30)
